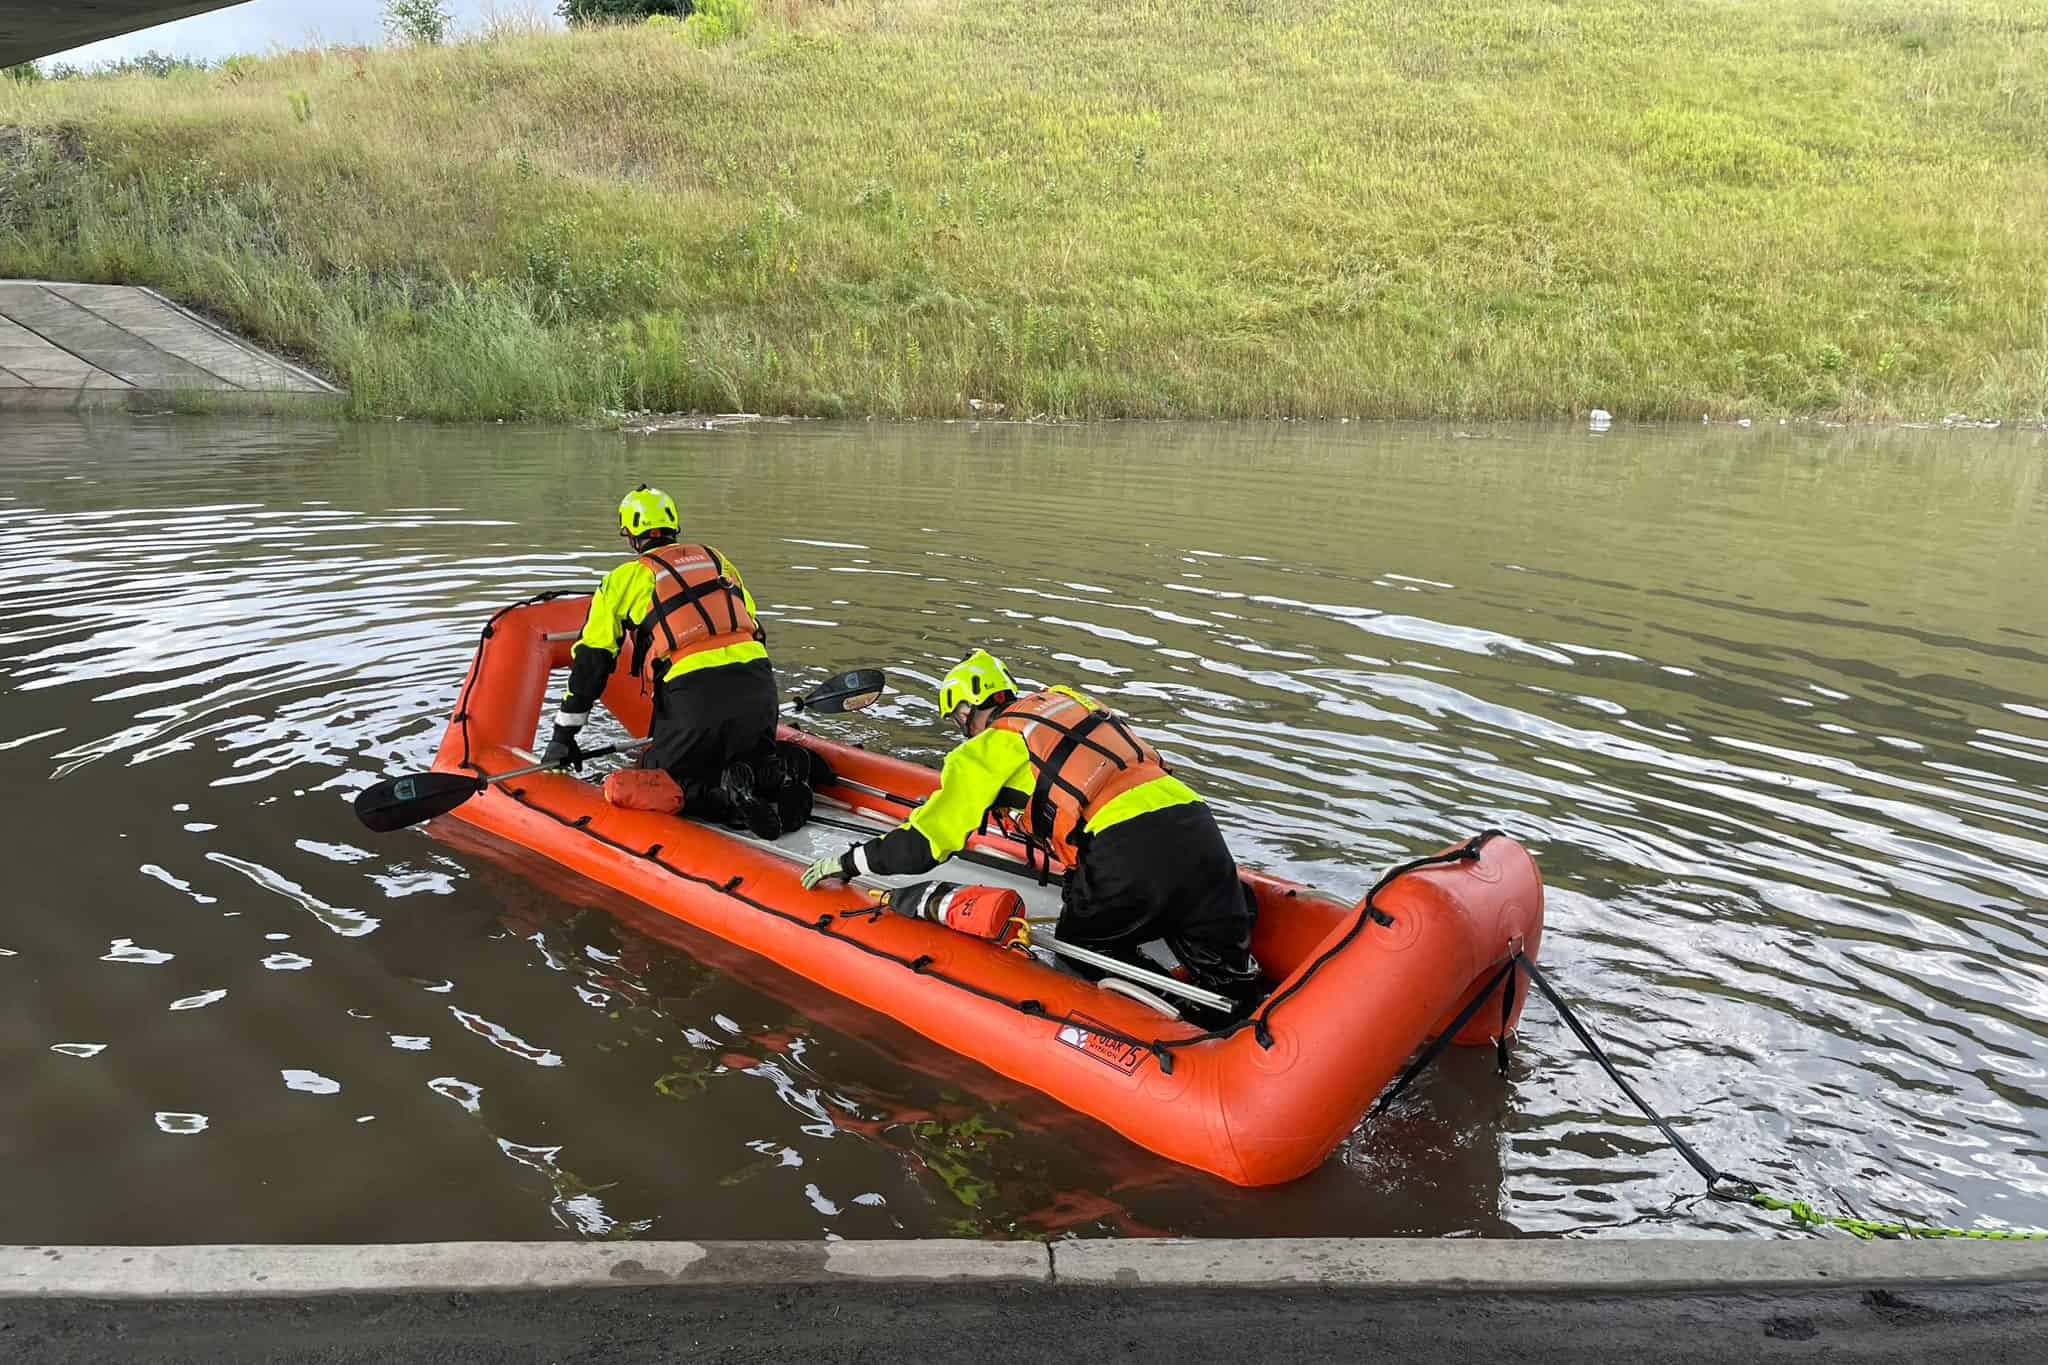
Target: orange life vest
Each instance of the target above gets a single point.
(695, 608)
(1082, 757)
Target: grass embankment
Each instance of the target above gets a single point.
(1162, 208)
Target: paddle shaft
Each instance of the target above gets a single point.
(863, 787)
(406, 800)
(1116, 966)
(1041, 938)
(631, 746)
(998, 861)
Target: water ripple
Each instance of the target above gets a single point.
(1766, 707)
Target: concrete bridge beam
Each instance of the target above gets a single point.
(36, 28)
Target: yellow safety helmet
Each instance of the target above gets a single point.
(647, 509)
(973, 680)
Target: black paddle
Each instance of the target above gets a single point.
(401, 802)
(853, 690)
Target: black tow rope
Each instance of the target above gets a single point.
(1719, 1184)
(1443, 1039)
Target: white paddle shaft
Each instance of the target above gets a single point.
(1116, 966)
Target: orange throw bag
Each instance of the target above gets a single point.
(991, 912)
(643, 789)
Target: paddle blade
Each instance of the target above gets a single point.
(401, 801)
(852, 691)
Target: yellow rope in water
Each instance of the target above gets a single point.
(1868, 1228)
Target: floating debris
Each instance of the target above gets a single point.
(311, 1082)
(126, 950)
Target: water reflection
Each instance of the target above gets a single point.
(1766, 705)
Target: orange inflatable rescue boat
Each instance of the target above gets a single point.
(1257, 1103)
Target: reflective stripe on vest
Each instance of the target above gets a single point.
(695, 608)
(1082, 757)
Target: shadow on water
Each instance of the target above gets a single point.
(1767, 705)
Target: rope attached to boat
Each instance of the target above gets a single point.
(1369, 912)
(461, 717)
(1161, 1049)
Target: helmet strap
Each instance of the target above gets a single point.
(986, 712)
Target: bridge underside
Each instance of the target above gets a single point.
(37, 28)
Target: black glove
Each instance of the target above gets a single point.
(562, 750)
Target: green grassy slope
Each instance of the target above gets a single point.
(1135, 207)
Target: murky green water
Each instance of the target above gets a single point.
(1771, 708)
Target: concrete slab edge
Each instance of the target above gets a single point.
(1388, 1264)
(1611, 1266)
(207, 402)
(483, 1267)
(322, 386)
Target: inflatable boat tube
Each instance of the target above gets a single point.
(1360, 987)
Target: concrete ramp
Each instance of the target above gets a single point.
(117, 345)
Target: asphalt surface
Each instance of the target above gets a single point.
(899, 1323)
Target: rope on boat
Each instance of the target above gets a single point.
(1160, 1049)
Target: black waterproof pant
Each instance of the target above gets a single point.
(706, 719)
(1167, 875)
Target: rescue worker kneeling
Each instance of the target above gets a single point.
(696, 642)
(1145, 858)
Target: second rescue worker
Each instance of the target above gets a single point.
(696, 641)
(1145, 857)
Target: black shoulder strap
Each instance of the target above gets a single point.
(655, 616)
(685, 595)
(732, 591)
(1049, 771)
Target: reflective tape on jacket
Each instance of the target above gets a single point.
(696, 609)
(1082, 758)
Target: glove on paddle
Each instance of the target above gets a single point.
(562, 749)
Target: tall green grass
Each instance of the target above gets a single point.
(1147, 208)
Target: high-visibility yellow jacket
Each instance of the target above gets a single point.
(621, 602)
(990, 770)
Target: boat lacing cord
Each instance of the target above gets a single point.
(730, 887)
(829, 924)
(1369, 912)
(461, 716)
(1720, 1184)
(1161, 1049)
